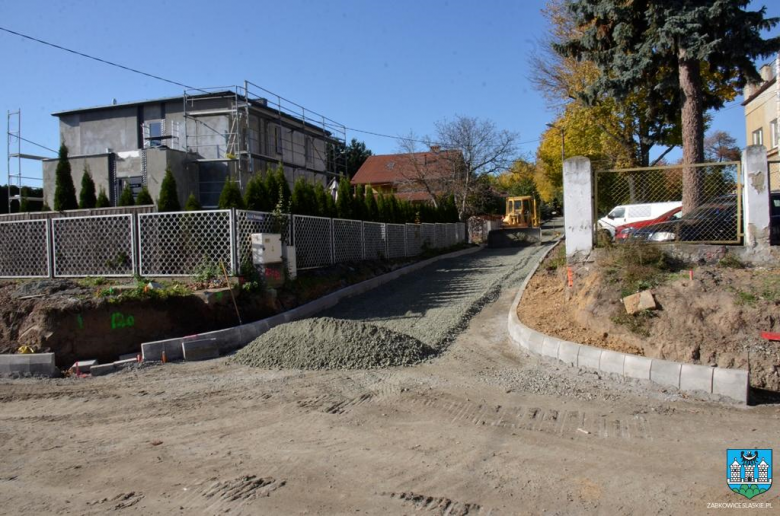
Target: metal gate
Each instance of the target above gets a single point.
(644, 205)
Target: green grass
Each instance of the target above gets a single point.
(558, 261)
(730, 262)
(141, 292)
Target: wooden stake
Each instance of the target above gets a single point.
(227, 282)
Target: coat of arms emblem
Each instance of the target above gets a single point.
(749, 472)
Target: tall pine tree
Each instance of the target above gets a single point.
(169, 195)
(64, 191)
(87, 197)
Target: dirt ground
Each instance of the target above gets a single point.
(715, 319)
(482, 429)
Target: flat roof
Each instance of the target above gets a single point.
(257, 102)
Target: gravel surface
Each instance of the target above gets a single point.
(326, 343)
(400, 323)
(435, 304)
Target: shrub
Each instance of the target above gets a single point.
(64, 191)
(192, 203)
(370, 211)
(87, 197)
(321, 201)
(102, 199)
(126, 197)
(169, 196)
(256, 195)
(359, 203)
(344, 200)
(144, 198)
(303, 201)
(231, 196)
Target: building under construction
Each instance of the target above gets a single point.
(204, 137)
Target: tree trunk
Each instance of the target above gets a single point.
(692, 129)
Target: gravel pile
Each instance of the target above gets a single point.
(327, 343)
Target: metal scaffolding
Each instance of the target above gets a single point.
(14, 152)
(239, 144)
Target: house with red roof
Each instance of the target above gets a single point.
(414, 177)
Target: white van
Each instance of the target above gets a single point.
(629, 213)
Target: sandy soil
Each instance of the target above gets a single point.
(715, 320)
(479, 430)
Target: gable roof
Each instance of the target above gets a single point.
(395, 168)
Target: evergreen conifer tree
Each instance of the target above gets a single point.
(192, 203)
(144, 198)
(87, 197)
(344, 200)
(126, 197)
(169, 196)
(231, 196)
(370, 211)
(272, 187)
(256, 196)
(64, 191)
(102, 199)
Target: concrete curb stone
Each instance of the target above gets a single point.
(732, 383)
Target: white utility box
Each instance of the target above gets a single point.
(266, 248)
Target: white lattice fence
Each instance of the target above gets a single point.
(396, 240)
(413, 240)
(248, 222)
(313, 238)
(374, 244)
(347, 240)
(93, 246)
(176, 244)
(24, 249)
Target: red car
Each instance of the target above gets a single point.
(624, 232)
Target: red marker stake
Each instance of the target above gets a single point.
(690, 274)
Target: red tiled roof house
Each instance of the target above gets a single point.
(414, 177)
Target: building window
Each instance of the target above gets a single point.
(773, 134)
(156, 128)
(758, 137)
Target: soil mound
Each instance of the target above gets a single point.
(327, 343)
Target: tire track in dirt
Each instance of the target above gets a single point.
(439, 505)
(560, 422)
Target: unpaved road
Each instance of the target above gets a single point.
(479, 430)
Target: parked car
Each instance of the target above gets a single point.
(625, 231)
(715, 221)
(630, 213)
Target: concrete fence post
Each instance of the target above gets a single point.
(578, 207)
(755, 197)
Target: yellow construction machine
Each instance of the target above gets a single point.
(520, 225)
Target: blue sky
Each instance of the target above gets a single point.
(387, 67)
